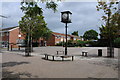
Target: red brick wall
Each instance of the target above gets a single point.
(57, 40)
(5, 37)
(13, 36)
(51, 41)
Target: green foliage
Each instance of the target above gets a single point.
(60, 44)
(99, 43)
(81, 43)
(51, 5)
(69, 44)
(117, 42)
(110, 30)
(31, 8)
(90, 35)
(47, 34)
(108, 9)
(35, 44)
(33, 23)
(113, 30)
(75, 43)
(75, 33)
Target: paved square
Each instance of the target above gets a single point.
(92, 66)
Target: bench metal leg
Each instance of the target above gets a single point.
(86, 54)
(53, 58)
(72, 58)
(47, 57)
(62, 58)
(82, 53)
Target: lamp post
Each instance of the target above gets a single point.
(65, 18)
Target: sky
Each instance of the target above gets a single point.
(84, 16)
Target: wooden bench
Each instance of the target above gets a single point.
(62, 56)
(84, 53)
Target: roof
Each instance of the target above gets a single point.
(5, 29)
(73, 36)
(9, 29)
(54, 33)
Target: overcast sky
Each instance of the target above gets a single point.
(84, 16)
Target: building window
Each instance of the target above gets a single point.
(74, 38)
(20, 41)
(58, 37)
(2, 34)
(7, 34)
(62, 39)
(68, 38)
(57, 42)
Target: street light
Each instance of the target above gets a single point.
(66, 18)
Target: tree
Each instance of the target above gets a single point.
(90, 35)
(113, 30)
(75, 33)
(117, 42)
(111, 18)
(32, 24)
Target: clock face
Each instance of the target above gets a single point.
(64, 16)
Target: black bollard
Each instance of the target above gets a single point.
(99, 52)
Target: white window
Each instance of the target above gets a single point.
(58, 37)
(7, 34)
(61, 39)
(57, 42)
(3, 34)
(74, 38)
(68, 38)
(20, 41)
(0, 34)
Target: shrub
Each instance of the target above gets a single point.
(117, 42)
(77, 43)
(60, 44)
(83, 43)
(35, 44)
(100, 43)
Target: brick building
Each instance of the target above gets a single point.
(59, 37)
(14, 37)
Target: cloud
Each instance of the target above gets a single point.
(84, 16)
(13, 12)
(0, 14)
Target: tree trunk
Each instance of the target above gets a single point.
(110, 53)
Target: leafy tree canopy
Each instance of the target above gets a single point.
(110, 30)
(90, 35)
(75, 33)
(33, 23)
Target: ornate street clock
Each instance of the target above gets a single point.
(65, 17)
